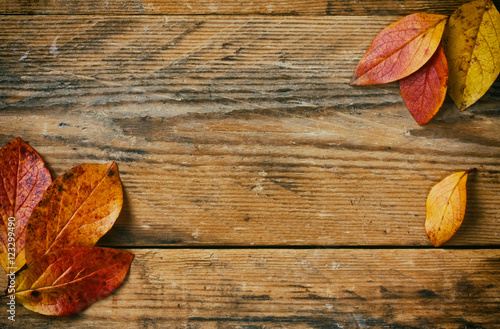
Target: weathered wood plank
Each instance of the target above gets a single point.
(330, 177)
(184, 63)
(229, 7)
(242, 130)
(151, 64)
(187, 64)
(267, 145)
(319, 288)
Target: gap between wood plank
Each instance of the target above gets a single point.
(308, 247)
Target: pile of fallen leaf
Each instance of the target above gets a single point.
(48, 251)
(410, 51)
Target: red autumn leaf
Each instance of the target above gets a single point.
(23, 179)
(425, 90)
(400, 49)
(67, 281)
(77, 209)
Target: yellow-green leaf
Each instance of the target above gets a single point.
(446, 207)
(472, 47)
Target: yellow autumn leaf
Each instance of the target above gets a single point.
(472, 47)
(446, 207)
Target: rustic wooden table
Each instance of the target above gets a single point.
(261, 190)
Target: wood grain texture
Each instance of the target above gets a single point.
(229, 7)
(154, 65)
(276, 178)
(233, 124)
(184, 64)
(317, 288)
(243, 131)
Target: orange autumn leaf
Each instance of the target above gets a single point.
(67, 281)
(77, 209)
(472, 45)
(446, 207)
(425, 90)
(400, 49)
(24, 178)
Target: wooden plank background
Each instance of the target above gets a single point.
(317, 288)
(261, 190)
(228, 7)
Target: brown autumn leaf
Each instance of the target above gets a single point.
(77, 209)
(472, 46)
(400, 49)
(425, 90)
(446, 207)
(24, 178)
(67, 281)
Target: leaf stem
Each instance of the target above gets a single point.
(471, 170)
